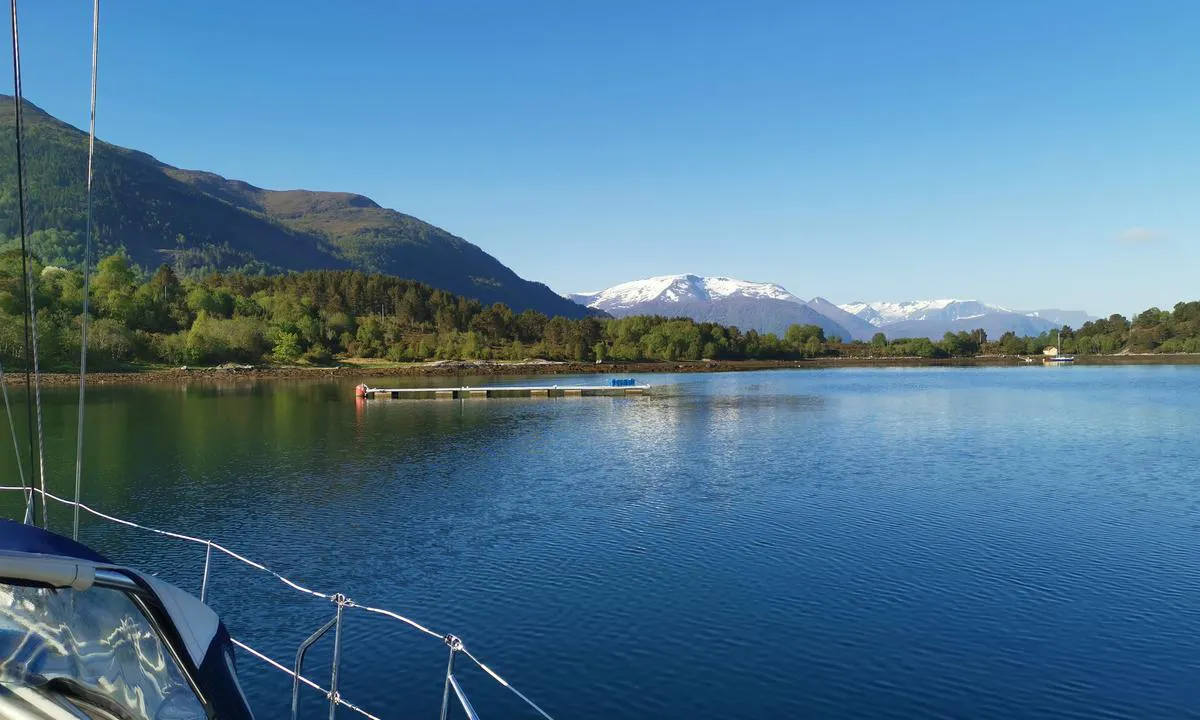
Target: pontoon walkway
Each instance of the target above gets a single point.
(500, 391)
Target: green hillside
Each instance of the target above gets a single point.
(200, 222)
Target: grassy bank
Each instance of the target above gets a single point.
(354, 369)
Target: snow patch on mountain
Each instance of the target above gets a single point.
(948, 309)
(1074, 318)
(678, 289)
(768, 307)
(764, 307)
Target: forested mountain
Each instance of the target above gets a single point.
(200, 222)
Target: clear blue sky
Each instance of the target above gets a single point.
(1029, 153)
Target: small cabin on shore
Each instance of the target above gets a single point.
(1050, 351)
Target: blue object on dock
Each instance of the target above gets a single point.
(618, 382)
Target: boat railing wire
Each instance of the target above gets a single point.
(331, 694)
(36, 484)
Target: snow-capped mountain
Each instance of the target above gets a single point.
(678, 288)
(764, 307)
(934, 318)
(946, 310)
(768, 307)
(1074, 318)
(859, 329)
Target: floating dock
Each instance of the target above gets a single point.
(614, 388)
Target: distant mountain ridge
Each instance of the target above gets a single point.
(934, 318)
(678, 288)
(946, 310)
(993, 324)
(201, 222)
(764, 307)
(859, 329)
(768, 307)
(1074, 318)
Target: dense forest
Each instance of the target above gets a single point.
(314, 317)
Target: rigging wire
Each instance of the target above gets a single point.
(33, 397)
(87, 258)
(27, 489)
(504, 682)
(21, 220)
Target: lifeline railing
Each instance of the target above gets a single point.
(38, 470)
(339, 600)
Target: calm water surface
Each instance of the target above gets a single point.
(917, 543)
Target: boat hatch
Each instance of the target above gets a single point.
(82, 638)
(92, 653)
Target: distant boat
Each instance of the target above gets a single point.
(1054, 357)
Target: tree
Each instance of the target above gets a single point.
(287, 347)
(961, 344)
(113, 288)
(798, 335)
(1010, 344)
(879, 340)
(217, 303)
(530, 325)
(412, 307)
(494, 323)
(110, 340)
(368, 341)
(164, 301)
(12, 289)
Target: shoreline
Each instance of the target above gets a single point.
(164, 376)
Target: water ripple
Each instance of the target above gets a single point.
(918, 543)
